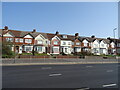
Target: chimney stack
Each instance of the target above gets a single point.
(76, 35)
(6, 28)
(108, 38)
(56, 33)
(34, 30)
(93, 36)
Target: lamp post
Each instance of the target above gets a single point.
(114, 32)
(114, 38)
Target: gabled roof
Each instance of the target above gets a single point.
(49, 36)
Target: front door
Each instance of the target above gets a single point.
(17, 49)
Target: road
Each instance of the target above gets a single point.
(61, 76)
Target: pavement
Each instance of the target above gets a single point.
(61, 76)
(17, 62)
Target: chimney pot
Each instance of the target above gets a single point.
(93, 36)
(34, 30)
(6, 28)
(108, 38)
(76, 34)
(57, 33)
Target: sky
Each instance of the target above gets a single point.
(85, 18)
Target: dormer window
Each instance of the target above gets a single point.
(64, 36)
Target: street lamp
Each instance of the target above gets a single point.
(114, 36)
(114, 32)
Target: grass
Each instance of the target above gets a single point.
(41, 54)
(26, 54)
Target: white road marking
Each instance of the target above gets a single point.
(109, 70)
(58, 74)
(46, 68)
(89, 66)
(83, 88)
(109, 85)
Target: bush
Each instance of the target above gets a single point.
(6, 50)
(10, 55)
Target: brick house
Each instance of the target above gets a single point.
(27, 41)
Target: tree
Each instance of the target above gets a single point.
(6, 50)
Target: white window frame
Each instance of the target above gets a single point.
(55, 42)
(21, 40)
(39, 42)
(28, 48)
(85, 44)
(16, 39)
(9, 39)
(28, 40)
(77, 43)
(64, 43)
(39, 48)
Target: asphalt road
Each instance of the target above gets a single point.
(61, 76)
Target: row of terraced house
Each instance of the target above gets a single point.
(27, 41)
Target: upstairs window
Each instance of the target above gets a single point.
(118, 45)
(55, 42)
(85, 44)
(95, 45)
(17, 40)
(77, 43)
(64, 43)
(28, 40)
(102, 45)
(21, 40)
(64, 36)
(39, 42)
(69, 43)
(9, 39)
(72, 43)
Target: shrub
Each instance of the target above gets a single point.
(6, 50)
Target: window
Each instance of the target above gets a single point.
(55, 42)
(95, 45)
(39, 48)
(28, 48)
(55, 50)
(39, 42)
(69, 43)
(64, 43)
(85, 44)
(102, 45)
(95, 50)
(28, 40)
(9, 39)
(21, 40)
(118, 44)
(72, 43)
(17, 40)
(64, 36)
(77, 43)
